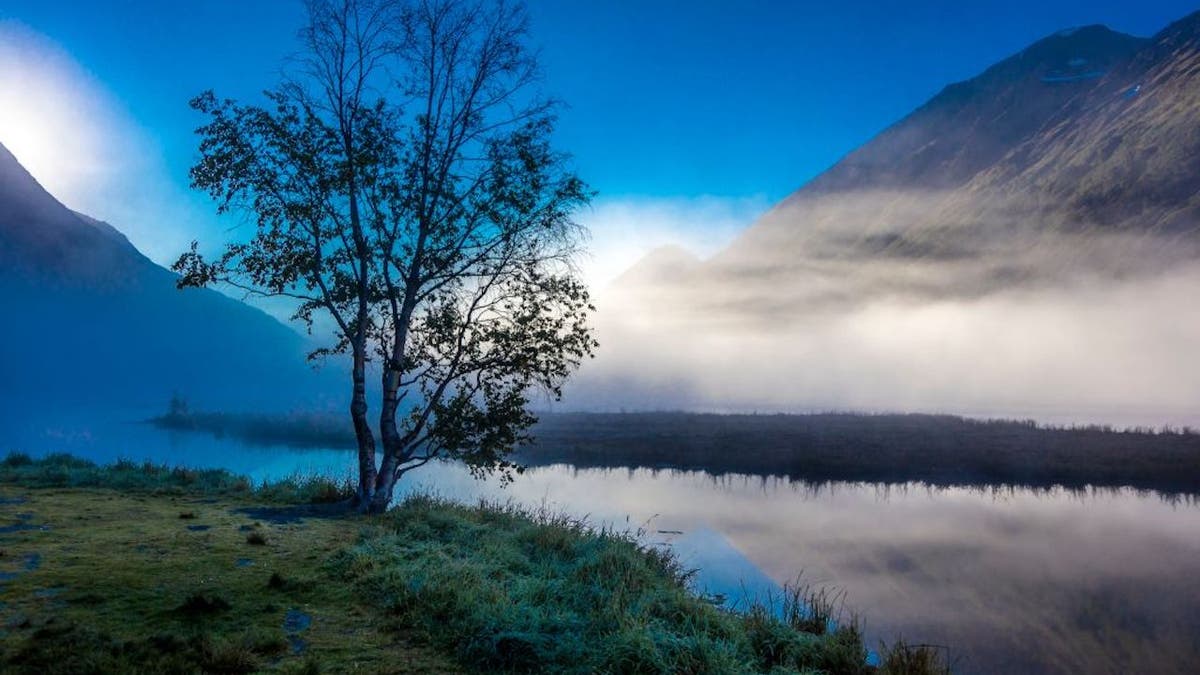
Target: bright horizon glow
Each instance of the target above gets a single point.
(53, 116)
(68, 131)
(624, 229)
(81, 143)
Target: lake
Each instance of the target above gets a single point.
(1010, 580)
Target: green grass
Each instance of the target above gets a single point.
(512, 590)
(63, 470)
(905, 659)
(128, 580)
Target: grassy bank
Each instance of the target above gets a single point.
(136, 568)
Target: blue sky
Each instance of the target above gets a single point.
(702, 112)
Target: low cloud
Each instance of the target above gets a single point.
(625, 229)
(835, 306)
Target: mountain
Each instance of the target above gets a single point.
(664, 264)
(1024, 244)
(1077, 158)
(90, 320)
(42, 239)
(971, 125)
(1131, 159)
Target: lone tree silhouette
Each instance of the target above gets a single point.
(404, 191)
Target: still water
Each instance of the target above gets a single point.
(1010, 580)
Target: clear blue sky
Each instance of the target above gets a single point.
(690, 118)
(670, 97)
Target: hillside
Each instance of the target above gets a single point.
(1023, 244)
(1076, 158)
(90, 320)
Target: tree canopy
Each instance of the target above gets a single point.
(406, 195)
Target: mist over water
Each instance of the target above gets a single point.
(870, 302)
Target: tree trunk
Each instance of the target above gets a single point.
(385, 485)
(385, 481)
(389, 436)
(358, 405)
(362, 432)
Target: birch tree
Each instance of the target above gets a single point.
(406, 196)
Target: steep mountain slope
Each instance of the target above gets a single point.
(1077, 158)
(90, 320)
(971, 125)
(1132, 159)
(42, 239)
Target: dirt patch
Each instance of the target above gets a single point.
(292, 515)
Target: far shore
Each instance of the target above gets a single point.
(941, 450)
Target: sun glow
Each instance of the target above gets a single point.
(53, 116)
(82, 144)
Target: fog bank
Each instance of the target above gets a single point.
(835, 306)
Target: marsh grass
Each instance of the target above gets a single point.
(516, 590)
(139, 591)
(431, 586)
(66, 471)
(940, 450)
(901, 658)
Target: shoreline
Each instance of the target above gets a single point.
(219, 575)
(938, 450)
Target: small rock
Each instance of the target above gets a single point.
(198, 528)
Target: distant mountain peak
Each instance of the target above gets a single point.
(1074, 54)
(83, 305)
(665, 262)
(41, 238)
(1182, 32)
(971, 125)
(1087, 136)
(18, 187)
(9, 161)
(1071, 55)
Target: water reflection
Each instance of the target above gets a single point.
(1013, 579)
